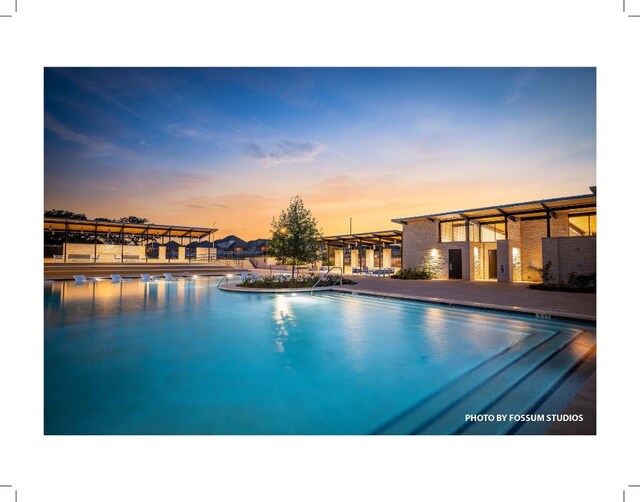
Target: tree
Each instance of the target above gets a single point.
(294, 236)
(62, 213)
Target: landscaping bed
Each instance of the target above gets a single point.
(273, 282)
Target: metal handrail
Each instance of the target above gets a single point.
(225, 279)
(325, 275)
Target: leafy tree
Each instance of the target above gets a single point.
(133, 219)
(61, 213)
(294, 236)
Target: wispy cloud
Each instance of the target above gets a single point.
(521, 84)
(180, 131)
(283, 151)
(107, 87)
(93, 147)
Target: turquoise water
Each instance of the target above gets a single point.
(182, 357)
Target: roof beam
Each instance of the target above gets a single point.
(506, 215)
(549, 211)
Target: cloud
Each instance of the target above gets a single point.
(283, 152)
(179, 131)
(522, 81)
(93, 147)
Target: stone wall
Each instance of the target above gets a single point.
(418, 237)
(481, 259)
(531, 234)
(439, 261)
(560, 225)
(569, 254)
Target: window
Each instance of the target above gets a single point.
(474, 232)
(452, 231)
(581, 225)
(491, 232)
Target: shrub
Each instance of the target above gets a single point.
(413, 273)
(581, 281)
(545, 273)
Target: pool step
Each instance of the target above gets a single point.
(556, 357)
(481, 387)
(539, 383)
(461, 312)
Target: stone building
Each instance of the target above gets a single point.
(510, 242)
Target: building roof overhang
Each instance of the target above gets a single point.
(383, 236)
(104, 227)
(537, 208)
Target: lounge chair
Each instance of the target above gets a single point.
(147, 278)
(169, 276)
(117, 278)
(81, 279)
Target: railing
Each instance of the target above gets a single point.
(225, 279)
(325, 275)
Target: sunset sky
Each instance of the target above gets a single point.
(230, 147)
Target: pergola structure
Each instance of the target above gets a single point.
(146, 232)
(383, 239)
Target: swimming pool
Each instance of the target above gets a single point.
(182, 357)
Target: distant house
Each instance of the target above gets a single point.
(258, 246)
(230, 245)
(234, 246)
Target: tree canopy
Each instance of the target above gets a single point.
(294, 236)
(62, 213)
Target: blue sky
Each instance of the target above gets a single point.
(231, 146)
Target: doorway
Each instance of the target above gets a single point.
(455, 264)
(493, 264)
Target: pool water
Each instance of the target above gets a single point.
(183, 357)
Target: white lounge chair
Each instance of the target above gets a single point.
(118, 278)
(169, 276)
(147, 278)
(81, 279)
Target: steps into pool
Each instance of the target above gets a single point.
(518, 380)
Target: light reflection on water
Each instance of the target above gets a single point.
(284, 319)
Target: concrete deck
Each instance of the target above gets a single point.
(515, 297)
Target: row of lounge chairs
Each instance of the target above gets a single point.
(115, 278)
(372, 272)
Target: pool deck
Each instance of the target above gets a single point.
(514, 297)
(66, 271)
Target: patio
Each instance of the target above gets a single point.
(516, 297)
